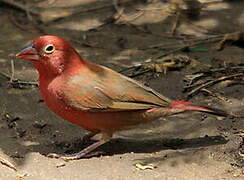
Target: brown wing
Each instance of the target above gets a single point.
(98, 88)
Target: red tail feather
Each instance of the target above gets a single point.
(187, 105)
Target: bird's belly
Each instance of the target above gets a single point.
(97, 121)
(101, 121)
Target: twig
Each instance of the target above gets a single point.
(47, 15)
(202, 28)
(192, 78)
(25, 82)
(5, 75)
(117, 8)
(190, 43)
(215, 95)
(223, 69)
(168, 53)
(13, 20)
(185, 44)
(25, 27)
(17, 81)
(175, 24)
(150, 9)
(136, 67)
(12, 71)
(198, 75)
(135, 17)
(129, 68)
(120, 18)
(20, 6)
(192, 86)
(140, 73)
(209, 83)
(32, 20)
(169, 36)
(8, 164)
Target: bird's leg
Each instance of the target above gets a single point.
(88, 136)
(106, 136)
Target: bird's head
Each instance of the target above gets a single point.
(49, 54)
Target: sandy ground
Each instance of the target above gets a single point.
(186, 146)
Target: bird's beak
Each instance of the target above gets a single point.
(29, 53)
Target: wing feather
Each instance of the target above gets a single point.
(98, 88)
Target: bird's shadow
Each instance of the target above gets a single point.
(122, 146)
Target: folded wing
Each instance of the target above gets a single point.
(97, 88)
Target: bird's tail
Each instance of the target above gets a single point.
(189, 106)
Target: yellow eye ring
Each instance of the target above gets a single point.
(48, 49)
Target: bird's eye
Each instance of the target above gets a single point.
(48, 49)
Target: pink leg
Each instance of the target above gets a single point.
(88, 136)
(106, 136)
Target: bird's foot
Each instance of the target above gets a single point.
(84, 152)
(67, 157)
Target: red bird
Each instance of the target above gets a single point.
(93, 96)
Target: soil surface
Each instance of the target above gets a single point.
(185, 146)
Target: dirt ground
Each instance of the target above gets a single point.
(186, 146)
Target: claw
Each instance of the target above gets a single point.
(75, 156)
(54, 155)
